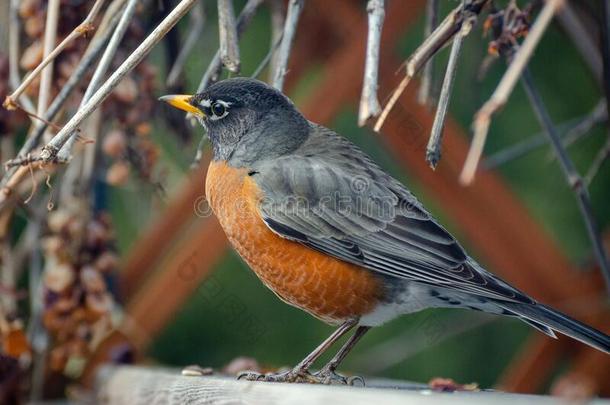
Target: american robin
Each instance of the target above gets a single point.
(330, 232)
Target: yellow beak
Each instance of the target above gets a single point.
(182, 102)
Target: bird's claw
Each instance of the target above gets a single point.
(328, 376)
(295, 375)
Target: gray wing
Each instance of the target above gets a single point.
(332, 197)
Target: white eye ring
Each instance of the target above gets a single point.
(219, 106)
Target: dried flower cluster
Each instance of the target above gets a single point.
(79, 262)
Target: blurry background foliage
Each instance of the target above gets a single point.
(208, 332)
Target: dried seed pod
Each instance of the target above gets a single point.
(91, 280)
(118, 173)
(58, 357)
(34, 26)
(14, 341)
(115, 144)
(57, 221)
(107, 262)
(58, 277)
(126, 91)
(52, 245)
(98, 305)
(143, 129)
(32, 56)
(29, 8)
(97, 234)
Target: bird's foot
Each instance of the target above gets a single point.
(327, 375)
(295, 375)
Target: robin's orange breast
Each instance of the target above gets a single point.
(328, 288)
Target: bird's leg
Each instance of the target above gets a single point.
(300, 373)
(327, 374)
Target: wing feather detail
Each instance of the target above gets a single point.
(333, 198)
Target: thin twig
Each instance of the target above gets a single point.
(531, 143)
(598, 161)
(13, 56)
(482, 118)
(8, 302)
(199, 153)
(579, 34)
(215, 67)
(267, 58)
(427, 81)
(50, 37)
(278, 19)
(36, 332)
(50, 150)
(433, 150)
(85, 27)
(197, 21)
(605, 51)
(369, 103)
(102, 68)
(283, 54)
(598, 115)
(441, 36)
(21, 173)
(571, 175)
(227, 28)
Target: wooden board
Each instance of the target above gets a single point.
(137, 385)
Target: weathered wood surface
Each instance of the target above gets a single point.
(137, 385)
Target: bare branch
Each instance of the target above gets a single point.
(290, 26)
(598, 115)
(369, 103)
(229, 46)
(13, 57)
(579, 34)
(433, 150)
(278, 19)
(482, 118)
(49, 152)
(215, 67)
(598, 161)
(199, 153)
(197, 20)
(570, 131)
(427, 81)
(82, 29)
(102, 68)
(267, 58)
(50, 36)
(431, 45)
(571, 175)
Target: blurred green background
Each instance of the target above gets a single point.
(235, 315)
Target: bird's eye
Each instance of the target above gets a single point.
(219, 110)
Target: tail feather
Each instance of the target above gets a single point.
(541, 327)
(539, 314)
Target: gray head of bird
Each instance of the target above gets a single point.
(245, 119)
